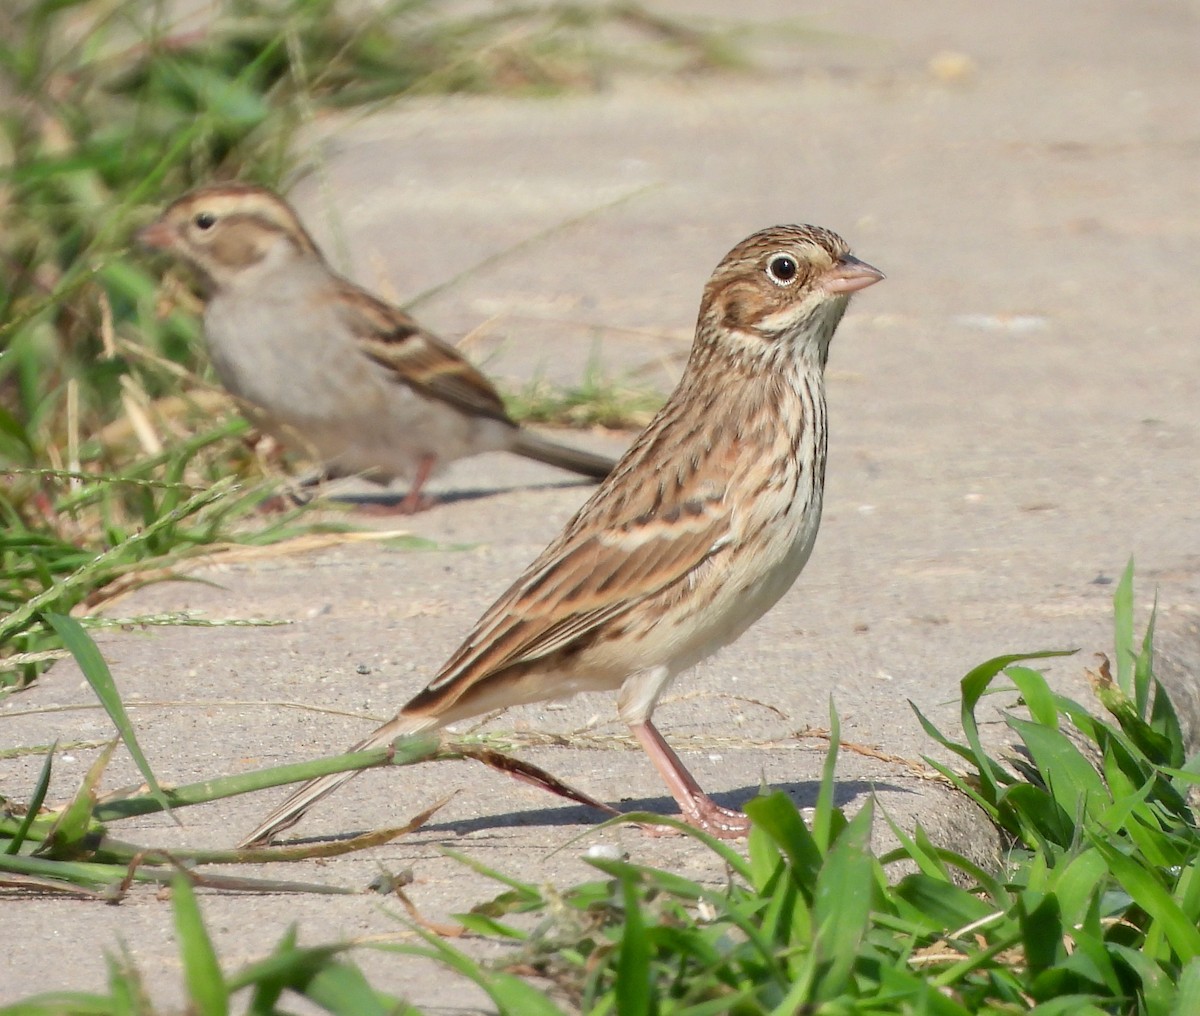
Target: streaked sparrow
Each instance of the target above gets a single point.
(701, 527)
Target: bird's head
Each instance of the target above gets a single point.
(230, 232)
(782, 291)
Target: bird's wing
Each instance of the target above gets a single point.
(624, 546)
(412, 356)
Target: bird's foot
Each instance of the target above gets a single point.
(287, 500)
(723, 823)
(707, 816)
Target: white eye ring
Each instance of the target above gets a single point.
(782, 268)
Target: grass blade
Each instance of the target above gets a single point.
(35, 804)
(206, 989)
(1189, 990)
(513, 997)
(1123, 630)
(109, 564)
(87, 655)
(1036, 695)
(402, 751)
(58, 1003)
(973, 687)
(1072, 779)
(1143, 664)
(777, 816)
(633, 963)
(842, 904)
(341, 989)
(1152, 898)
(67, 838)
(823, 820)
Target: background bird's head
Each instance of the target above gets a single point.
(231, 233)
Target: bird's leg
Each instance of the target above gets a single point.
(413, 501)
(295, 494)
(304, 488)
(696, 807)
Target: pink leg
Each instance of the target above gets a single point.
(413, 501)
(697, 808)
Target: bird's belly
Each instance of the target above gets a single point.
(749, 589)
(337, 406)
(724, 601)
(714, 614)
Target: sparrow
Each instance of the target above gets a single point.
(322, 364)
(700, 528)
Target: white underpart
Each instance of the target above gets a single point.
(750, 583)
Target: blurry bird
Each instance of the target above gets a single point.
(322, 364)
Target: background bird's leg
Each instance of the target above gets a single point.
(413, 501)
(697, 808)
(304, 488)
(295, 493)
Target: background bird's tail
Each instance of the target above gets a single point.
(534, 446)
(294, 807)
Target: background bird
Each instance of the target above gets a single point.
(704, 523)
(322, 364)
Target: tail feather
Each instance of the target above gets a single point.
(299, 801)
(533, 446)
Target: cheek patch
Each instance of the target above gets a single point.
(236, 251)
(742, 305)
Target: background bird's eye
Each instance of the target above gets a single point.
(205, 220)
(782, 269)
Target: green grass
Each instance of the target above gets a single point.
(1093, 910)
(105, 532)
(597, 401)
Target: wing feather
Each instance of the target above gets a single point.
(581, 583)
(417, 358)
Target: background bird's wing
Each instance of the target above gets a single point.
(416, 358)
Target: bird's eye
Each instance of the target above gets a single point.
(205, 220)
(782, 269)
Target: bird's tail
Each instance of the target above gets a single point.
(534, 446)
(294, 807)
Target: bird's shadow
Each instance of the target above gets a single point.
(803, 794)
(386, 498)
